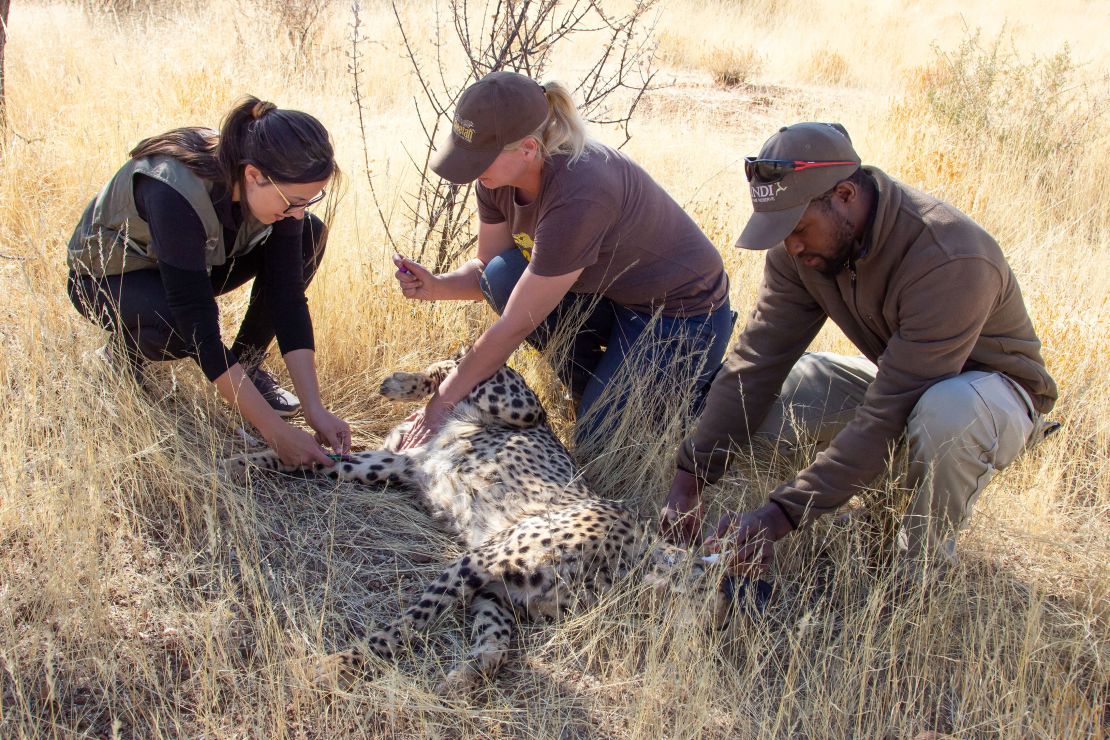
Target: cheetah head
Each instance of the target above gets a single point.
(672, 569)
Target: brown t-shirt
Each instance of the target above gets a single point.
(606, 215)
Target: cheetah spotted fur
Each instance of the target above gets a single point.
(538, 543)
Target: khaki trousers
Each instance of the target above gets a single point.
(962, 431)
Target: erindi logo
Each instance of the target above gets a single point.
(764, 193)
(464, 129)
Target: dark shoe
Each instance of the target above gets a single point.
(280, 400)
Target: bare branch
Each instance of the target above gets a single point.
(355, 68)
(517, 35)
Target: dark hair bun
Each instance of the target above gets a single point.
(261, 108)
(287, 145)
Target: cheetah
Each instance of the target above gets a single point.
(538, 543)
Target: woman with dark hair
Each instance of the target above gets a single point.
(576, 239)
(194, 214)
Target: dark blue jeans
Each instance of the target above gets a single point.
(665, 352)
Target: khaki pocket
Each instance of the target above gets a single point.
(1009, 414)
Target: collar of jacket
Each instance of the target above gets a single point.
(884, 213)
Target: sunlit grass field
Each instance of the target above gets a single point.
(142, 595)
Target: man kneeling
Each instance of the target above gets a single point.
(953, 366)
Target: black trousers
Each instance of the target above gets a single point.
(134, 305)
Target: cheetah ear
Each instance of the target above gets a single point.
(460, 352)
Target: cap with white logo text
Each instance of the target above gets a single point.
(497, 110)
(807, 160)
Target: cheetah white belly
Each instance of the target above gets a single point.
(477, 491)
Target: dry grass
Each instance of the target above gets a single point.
(827, 67)
(140, 595)
(731, 67)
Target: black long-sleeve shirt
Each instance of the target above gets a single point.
(177, 241)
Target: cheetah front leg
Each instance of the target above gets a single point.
(371, 467)
(491, 632)
(401, 386)
(507, 397)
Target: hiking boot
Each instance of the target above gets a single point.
(280, 400)
(120, 359)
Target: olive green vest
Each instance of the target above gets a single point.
(111, 239)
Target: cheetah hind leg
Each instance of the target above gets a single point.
(506, 396)
(371, 467)
(458, 582)
(491, 632)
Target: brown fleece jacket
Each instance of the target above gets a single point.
(933, 296)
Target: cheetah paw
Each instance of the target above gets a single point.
(342, 669)
(233, 468)
(405, 387)
(461, 679)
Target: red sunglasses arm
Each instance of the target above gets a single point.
(803, 165)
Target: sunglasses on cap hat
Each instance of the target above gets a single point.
(771, 170)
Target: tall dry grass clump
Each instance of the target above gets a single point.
(141, 595)
(827, 67)
(732, 67)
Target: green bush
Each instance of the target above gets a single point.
(985, 92)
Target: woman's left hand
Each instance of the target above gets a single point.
(330, 430)
(425, 424)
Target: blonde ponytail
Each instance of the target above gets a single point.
(564, 131)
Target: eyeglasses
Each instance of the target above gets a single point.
(290, 206)
(772, 170)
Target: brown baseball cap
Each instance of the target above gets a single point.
(796, 165)
(497, 110)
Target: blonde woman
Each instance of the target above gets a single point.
(568, 225)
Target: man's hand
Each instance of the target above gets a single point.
(746, 540)
(682, 516)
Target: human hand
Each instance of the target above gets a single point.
(682, 515)
(746, 540)
(425, 424)
(296, 447)
(416, 281)
(330, 430)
